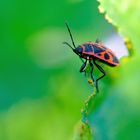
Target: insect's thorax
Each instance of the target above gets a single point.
(88, 50)
(92, 48)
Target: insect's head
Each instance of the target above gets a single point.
(78, 50)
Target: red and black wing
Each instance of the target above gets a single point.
(100, 52)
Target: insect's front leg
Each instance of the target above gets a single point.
(83, 66)
(91, 72)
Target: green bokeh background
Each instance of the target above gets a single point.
(41, 89)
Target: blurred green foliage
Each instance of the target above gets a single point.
(41, 90)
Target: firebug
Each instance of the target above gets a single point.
(93, 51)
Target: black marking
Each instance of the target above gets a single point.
(88, 48)
(106, 56)
(115, 59)
(99, 54)
(97, 49)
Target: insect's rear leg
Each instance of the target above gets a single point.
(102, 71)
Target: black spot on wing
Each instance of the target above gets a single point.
(115, 59)
(99, 54)
(97, 49)
(106, 56)
(88, 48)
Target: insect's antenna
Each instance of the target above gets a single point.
(72, 49)
(68, 45)
(70, 35)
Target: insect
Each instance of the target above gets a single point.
(93, 51)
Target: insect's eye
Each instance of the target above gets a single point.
(80, 49)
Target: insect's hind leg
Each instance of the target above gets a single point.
(102, 71)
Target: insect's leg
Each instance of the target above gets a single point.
(98, 41)
(91, 72)
(81, 58)
(102, 71)
(83, 66)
